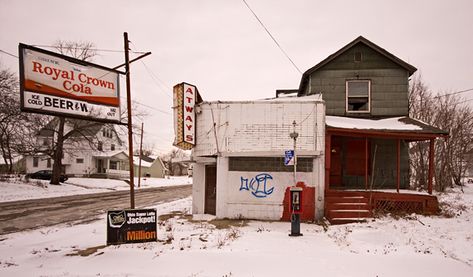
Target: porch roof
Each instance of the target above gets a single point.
(401, 127)
(109, 154)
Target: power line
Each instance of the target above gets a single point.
(153, 108)
(92, 49)
(160, 83)
(453, 93)
(10, 54)
(156, 79)
(272, 37)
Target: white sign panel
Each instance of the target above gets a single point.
(189, 113)
(62, 105)
(55, 84)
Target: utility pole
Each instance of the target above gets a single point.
(130, 126)
(141, 152)
(294, 136)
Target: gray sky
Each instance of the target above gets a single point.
(220, 47)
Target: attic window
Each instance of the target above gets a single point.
(357, 57)
(358, 96)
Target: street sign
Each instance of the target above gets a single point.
(289, 157)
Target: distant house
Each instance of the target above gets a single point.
(92, 149)
(18, 165)
(149, 167)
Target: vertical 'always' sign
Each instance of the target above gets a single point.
(184, 96)
(189, 113)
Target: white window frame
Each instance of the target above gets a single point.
(369, 95)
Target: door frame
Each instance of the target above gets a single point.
(210, 207)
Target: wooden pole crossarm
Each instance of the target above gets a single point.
(134, 60)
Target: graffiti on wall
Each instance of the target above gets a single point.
(258, 185)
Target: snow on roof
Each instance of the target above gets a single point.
(393, 123)
(136, 161)
(108, 154)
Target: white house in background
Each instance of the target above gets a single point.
(149, 167)
(94, 149)
(239, 169)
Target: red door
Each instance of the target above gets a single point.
(335, 167)
(210, 189)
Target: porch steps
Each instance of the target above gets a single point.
(347, 207)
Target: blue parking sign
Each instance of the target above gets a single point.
(289, 157)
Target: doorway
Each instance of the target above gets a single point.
(210, 189)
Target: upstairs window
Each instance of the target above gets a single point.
(358, 96)
(112, 147)
(100, 146)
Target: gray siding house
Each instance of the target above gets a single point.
(368, 130)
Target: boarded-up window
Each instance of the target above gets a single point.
(358, 95)
(268, 164)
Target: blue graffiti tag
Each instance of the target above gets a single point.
(257, 185)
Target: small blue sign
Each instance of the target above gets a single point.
(289, 157)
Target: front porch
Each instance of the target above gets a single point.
(346, 206)
(112, 164)
(367, 168)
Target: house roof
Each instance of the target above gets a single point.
(399, 126)
(136, 161)
(109, 154)
(411, 69)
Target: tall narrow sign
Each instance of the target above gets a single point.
(184, 97)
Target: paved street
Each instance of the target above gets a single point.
(30, 214)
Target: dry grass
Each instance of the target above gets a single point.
(88, 251)
(228, 223)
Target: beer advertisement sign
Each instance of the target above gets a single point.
(131, 226)
(55, 84)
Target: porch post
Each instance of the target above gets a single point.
(431, 164)
(366, 163)
(328, 154)
(398, 164)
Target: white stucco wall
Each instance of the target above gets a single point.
(256, 126)
(257, 129)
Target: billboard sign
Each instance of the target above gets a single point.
(55, 84)
(184, 98)
(131, 226)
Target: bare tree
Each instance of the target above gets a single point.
(9, 115)
(446, 112)
(79, 50)
(173, 160)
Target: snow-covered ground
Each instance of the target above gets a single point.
(18, 189)
(407, 246)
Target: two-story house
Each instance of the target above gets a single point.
(368, 129)
(90, 149)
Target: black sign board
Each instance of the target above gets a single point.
(131, 226)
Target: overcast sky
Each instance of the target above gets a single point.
(220, 47)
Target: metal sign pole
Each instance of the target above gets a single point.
(294, 136)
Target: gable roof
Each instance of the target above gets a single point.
(411, 69)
